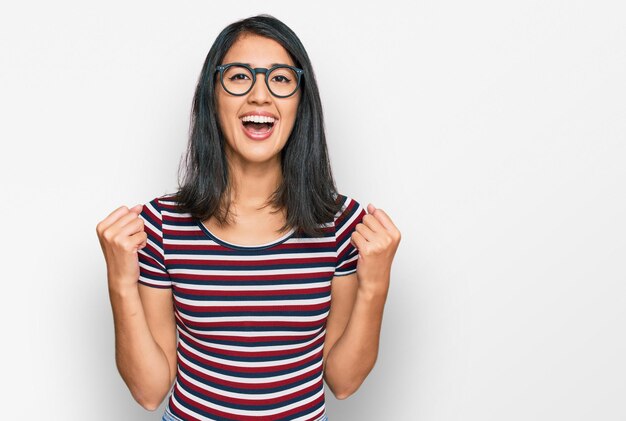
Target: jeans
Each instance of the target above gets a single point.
(168, 417)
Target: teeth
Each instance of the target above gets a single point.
(258, 119)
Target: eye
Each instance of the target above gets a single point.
(239, 76)
(281, 78)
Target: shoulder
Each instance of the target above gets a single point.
(351, 211)
(162, 202)
(153, 209)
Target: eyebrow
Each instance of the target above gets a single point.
(271, 65)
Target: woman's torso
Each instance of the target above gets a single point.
(250, 318)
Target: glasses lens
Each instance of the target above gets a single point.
(283, 81)
(237, 79)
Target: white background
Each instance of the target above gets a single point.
(493, 133)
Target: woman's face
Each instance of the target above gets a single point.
(242, 149)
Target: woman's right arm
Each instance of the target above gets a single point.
(145, 327)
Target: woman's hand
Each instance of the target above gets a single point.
(121, 235)
(376, 239)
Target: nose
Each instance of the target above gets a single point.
(259, 93)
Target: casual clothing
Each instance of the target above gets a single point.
(251, 320)
(168, 417)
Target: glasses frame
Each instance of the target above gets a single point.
(264, 70)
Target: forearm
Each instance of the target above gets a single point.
(140, 360)
(354, 354)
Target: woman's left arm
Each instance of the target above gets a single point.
(355, 319)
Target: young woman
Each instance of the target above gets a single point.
(241, 292)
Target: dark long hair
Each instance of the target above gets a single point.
(308, 192)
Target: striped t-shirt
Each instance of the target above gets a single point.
(251, 320)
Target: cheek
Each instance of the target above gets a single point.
(226, 114)
(292, 117)
(291, 112)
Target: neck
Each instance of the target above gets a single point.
(253, 183)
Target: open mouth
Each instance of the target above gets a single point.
(259, 128)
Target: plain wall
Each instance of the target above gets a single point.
(493, 133)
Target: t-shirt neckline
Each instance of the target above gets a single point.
(228, 244)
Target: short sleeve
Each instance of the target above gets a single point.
(152, 270)
(350, 215)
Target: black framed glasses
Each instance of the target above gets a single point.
(238, 79)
